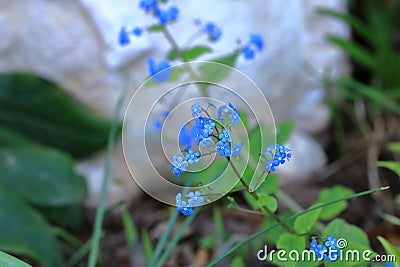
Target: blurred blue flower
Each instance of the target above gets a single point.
(223, 149)
(184, 208)
(157, 125)
(195, 199)
(166, 16)
(209, 127)
(192, 156)
(330, 242)
(123, 36)
(148, 5)
(206, 142)
(196, 109)
(236, 148)
(213, 31)
(137, 31)
(159, 72)
(255, 44)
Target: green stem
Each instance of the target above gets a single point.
(96, 235)
(266, 229)
(163, 240)
(175, 239)
(79, 254)
(255, 196)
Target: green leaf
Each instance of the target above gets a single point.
(354, 240)
(270, 185)
(269, 201)
(284, 130)
(24, 231)
(357, 52)
(237, 262)
(9, 137)
(47, 115)
(293, 246)
(44, 176)
(7, 260)
(329, 194)
(129, 228)
(391, 165)
(147, 246)
(304, 223)
(70, 216)
(391, 250)
(195, 52)
(155, 28)
(213, 72)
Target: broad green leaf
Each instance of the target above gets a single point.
(352, 240)
(270, 185)
(9, 137)
(292, 246)
(213, 72)
(195, 52)
(329, 194)
(273, 236)
(391, 165)
(304, 223)
(44, 176)
(70, 216)
(269, 201)
(391, 250)
(284, 130)
(155, 28)
(7, 260)
(46, 114)
(24, 231)
(172, 54)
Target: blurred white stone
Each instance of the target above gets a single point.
(74, 43)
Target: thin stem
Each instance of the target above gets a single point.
(96, 235)
(234, 205)
(255, 196)
(79, 254)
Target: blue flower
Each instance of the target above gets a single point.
(185, 138)
(123, 36)
(195, 199)
(148, 5)
(257, 41)
(137, 31)
(332, 255)
(165, 16)
(213, 31)
(209, 127)
(192, 156)
(331, 242)
(196, 109)
(154, 69)
(178, 165)
(279, 154)
(235, 116)
(225, 136)
(223, 149)
(389, 264)
(313, 244)
(236, 149)
(206, 142)
(182, 206)
(255, 44)
(157, 125)
(320, 251)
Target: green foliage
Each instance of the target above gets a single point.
(195, 52)
(267, 201)
(129, 228)
(270, 185)
(391, 165)
(214, 73)
(7, 260)
(305, 222)
(390, 250)
(23, 230)
(47, 115)
(326, 195)
(290, 243)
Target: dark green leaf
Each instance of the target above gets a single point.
(70, 216)
(329, 194)
(195, 52)
(44, 176)
(391, 165)
(46, 114)
(24, 231)
(9, 137)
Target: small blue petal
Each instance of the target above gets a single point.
(123, 37)
(159, 72)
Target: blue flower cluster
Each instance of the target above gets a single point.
(326, 251)
(276, 155)
(213, 31)
(205, 132)
(155, 68)
(186, 207)
(255, 44)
